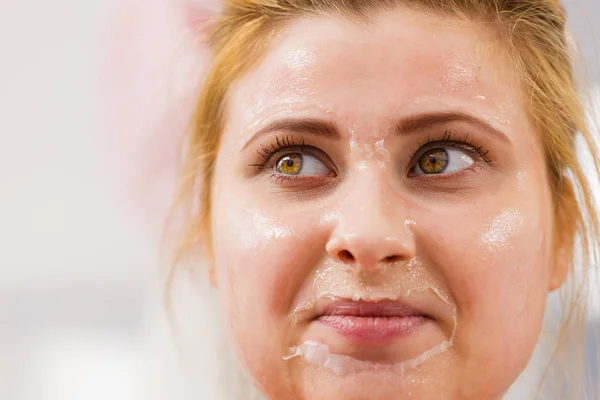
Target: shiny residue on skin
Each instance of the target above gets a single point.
(521, 178)
(499, 231)
(364, 148)
(300, 59)
(261, 229)
(391, 281)
(459, 75)
(318, 354)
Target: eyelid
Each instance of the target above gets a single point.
(478, 153)
(288, 144)
(464, 145)
(306, 150)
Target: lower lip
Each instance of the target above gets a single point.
(373, 329)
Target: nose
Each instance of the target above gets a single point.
(372, 232)
(369, 252)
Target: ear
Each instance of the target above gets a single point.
(565, 228)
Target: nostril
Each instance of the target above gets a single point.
(345, 256)
(392, 259)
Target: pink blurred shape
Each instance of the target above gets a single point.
(156, 62)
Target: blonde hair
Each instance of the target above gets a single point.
(534, 35)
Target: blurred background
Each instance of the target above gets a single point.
(94, 96)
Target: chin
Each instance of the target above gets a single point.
(371, 385)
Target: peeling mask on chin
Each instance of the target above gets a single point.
(408, 287)
(318, 354)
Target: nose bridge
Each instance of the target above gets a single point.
(373, 224)
(368, 202)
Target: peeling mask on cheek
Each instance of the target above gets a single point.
(409, 284)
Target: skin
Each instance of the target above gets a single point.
(483, 234)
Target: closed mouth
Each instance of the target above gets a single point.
(378, 309)
(371, 322)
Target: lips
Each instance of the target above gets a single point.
(371, 322)
(384, 308)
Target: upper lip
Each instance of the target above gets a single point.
(373, 309)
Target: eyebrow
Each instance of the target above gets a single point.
(317, 127)
(404, 126)
(420, 122)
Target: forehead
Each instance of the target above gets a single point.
(401, 60)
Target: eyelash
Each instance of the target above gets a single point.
(281, 143)
(288, 143)
(465, 144)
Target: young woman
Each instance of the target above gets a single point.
(388, 191)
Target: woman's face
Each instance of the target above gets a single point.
(382, 221)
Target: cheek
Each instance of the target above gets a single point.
(496, 261)
(509, 268)
(262, 257)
